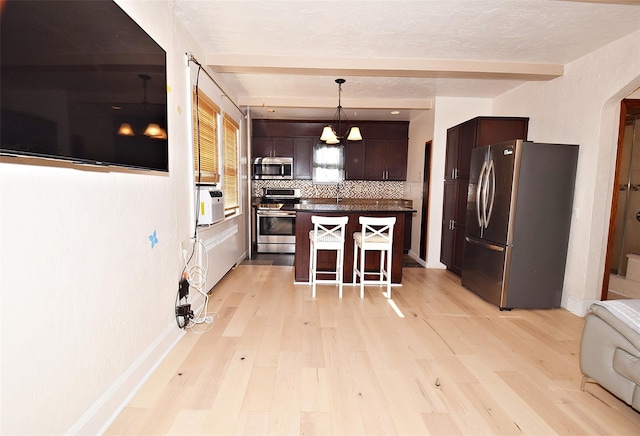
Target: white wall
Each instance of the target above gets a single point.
(84, 296)
(449, 111)
(582, 107)
(420, 131)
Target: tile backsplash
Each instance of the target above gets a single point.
(348, 188)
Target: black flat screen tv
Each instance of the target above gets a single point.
(82, 82)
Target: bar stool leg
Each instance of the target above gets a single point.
(388, 274)
(339, 275)
(354, 277)
(312, 270)
(362, 256)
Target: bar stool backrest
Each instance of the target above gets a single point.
(329, 230)
(377, 232)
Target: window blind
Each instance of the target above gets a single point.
(205, 139)
(230, 155)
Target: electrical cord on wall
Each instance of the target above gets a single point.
(197, 111)
(196, 276)
(193, 275)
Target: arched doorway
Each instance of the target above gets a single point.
(624, 222)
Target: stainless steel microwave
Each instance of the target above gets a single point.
(273, 168)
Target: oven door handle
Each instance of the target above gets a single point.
(276, 213)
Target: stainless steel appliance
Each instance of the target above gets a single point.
(276, 228)
(265, 168)
(519, 208)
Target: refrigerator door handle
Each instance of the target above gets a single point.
(493, 247)
(491, 175)
(485, 194)
(479, 195)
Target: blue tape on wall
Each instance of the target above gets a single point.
(154, 239)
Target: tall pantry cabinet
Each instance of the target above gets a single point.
(461, 139)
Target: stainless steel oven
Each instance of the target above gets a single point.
(276, 228)
(276, 231)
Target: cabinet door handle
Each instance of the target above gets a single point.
(454, 173)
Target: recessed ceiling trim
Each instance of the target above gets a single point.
(416, 68)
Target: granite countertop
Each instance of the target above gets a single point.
(348, 207)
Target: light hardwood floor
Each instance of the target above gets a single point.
(279, 362)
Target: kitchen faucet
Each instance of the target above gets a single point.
(338, 192)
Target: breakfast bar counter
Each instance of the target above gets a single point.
(354, 209)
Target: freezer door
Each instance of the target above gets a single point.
(483, 271)
(474, 222)
(498, 191)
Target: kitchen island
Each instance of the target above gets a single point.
(354, 209)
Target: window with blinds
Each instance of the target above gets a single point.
(230, 158)
(205, 139)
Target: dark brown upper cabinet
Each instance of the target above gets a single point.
(303, 158)
(272, 147)
(386, 159)
(381, 155)
(354, 160)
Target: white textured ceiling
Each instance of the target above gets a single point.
(394, 54)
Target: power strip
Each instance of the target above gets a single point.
(206, 319)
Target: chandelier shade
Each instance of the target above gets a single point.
(331, 135)
(125, 130)
(354, 134)
(327, 133)
(153, 130)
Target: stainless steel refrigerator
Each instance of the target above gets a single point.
(519, 208)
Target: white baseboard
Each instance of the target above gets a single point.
(579, 307)
(415, 256)
(436, 265)
(106, 408)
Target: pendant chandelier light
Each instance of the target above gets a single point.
(335, 136)
(153, 130)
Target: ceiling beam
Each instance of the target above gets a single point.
(610, 2)
(324, 103)
(414, 68)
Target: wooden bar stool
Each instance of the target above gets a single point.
(327, 234)
(376, 235)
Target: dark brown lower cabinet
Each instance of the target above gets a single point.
(326, 259)
(453, 228)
